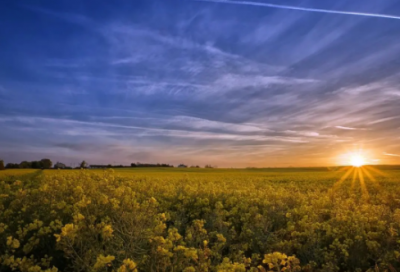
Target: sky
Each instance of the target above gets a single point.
(228, 83)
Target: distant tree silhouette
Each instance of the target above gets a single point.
(36, 164)
(25, 164)
(42, 164)
(83, 164)
(2, 165)
(12, 165)
(138, 164)
(59, 165)
(46, 163)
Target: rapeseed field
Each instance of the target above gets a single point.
(200, 220)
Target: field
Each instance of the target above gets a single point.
(344, 219)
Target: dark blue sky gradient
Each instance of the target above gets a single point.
(199, 82)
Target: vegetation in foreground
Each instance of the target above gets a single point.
(199, 220)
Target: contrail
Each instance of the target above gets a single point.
(302, 9)
(388, 154)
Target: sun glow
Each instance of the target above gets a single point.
(358, 172)
(357, 160)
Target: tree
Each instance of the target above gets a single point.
(59, 165)
(12, 165)
(2, 165)
(25, 164)
(46, 163)
(83, 164)
(36, 164)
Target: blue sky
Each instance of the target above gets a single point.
(225, 83)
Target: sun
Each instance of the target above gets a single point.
(357, 160)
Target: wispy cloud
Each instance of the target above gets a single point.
(229, 85)
(74, 18)
(349, 128)
(383, 120)
(87, 128)
(393, 155)
(268, 5)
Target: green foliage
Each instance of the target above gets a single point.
(2, 165)
(12, 166)
(25, 164)
(83, 164)
(46, 163)
(197, 220)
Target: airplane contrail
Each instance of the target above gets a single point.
(388, 154)
(248, 3)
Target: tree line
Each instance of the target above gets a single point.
(47, 164)
(42, 164)
(138, 164)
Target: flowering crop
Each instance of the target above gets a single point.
(198, 220)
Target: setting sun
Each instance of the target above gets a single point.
(357, 160)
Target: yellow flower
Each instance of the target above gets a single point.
(14, 243)
(221, 238)
(78, 217)
(103, 261)
(67, 229)
(2, 227)
(128, 266)
(107, 231)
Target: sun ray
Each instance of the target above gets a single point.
(343, 178)
(377, 171)
(353, 181)
(368, 174)
(364, 189)
(344, 169)
(371, 178)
